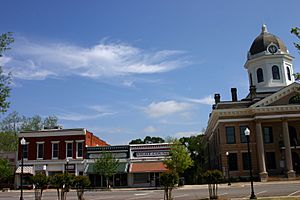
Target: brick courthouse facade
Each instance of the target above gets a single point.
(271, 111)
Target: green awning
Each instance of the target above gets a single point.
(122, 168)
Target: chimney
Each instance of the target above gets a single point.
(252, 91)
(217, 98)
(234, 94)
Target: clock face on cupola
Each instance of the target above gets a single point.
(269, 63)
(272, 48)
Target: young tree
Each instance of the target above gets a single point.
(179, 159)
(213, 178)
(40, 182)
(32, 124)
(6, 172)
(106, 166)
(5, 80)
(62, 183)
(81, 182)
(168, 180)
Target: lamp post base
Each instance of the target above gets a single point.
(253, 196)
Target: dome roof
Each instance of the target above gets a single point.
(262, 41)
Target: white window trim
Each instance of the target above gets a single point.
(77, 142)
(56, 142)
(68, 142)
(37, 150)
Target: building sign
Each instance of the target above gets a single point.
(116, 155)
(70, 167)
(40, 167)
(151, 154)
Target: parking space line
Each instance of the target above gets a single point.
(294, 193)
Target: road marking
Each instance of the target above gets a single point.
(223, 194)
(261, 192)
(294, 193)
(139, 197)
(184, 195)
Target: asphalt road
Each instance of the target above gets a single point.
(236, 190)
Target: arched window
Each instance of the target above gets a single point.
(275, 72)
(260, 75)
(288, 73)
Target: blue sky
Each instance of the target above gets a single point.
(127, 69)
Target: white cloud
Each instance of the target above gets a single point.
(209, 100)
(187, 133)
(150, 129)
(38, 61)
(166, 108)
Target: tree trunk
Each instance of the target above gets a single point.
(107, 182)
(58, 196)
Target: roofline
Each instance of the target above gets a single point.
(53, 132)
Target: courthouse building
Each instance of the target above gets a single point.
(271, 111)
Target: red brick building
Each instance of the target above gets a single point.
(53, 151)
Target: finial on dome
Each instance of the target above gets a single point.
(264, 28)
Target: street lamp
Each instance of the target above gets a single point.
(227, 154)
(67, 166)
(247, 134)
(23, 143)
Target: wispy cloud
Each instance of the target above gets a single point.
(93, 112)
(165, 108)
(38, 61)
(150, 129)
(209, 100)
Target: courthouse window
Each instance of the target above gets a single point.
(242, 134)
(268, 135)
(230, 135)
(246, 165)
(232, 159)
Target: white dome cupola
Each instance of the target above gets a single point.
(269, 63)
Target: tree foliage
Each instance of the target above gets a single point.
(196, 146)
(40, 182)
(106, 166)
(179, 159)
(80, 183)
(5, 79)
(6, 171)
(296, 32)
(62, 183)
(147, 140)
(13, 123)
